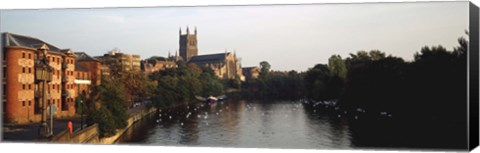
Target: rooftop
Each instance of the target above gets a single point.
(80, 68)
(209, 57)
(82, 56)
(10, 39)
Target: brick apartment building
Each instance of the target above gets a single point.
(22, 94)
(93, 65)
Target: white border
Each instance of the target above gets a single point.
(64, 148)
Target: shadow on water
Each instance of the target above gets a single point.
(287, 124)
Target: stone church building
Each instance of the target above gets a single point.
(225, 65)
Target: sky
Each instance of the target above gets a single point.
(289, 37)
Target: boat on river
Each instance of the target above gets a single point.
(211, 99)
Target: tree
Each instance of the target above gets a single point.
(337, 66)
(316, 81)
(112, 111)
(138, 86)
(113, 98)
(264, 68)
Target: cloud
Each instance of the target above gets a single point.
(112, 18)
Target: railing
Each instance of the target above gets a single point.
(88, 135)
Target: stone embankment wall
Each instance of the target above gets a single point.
(88, 135)
(134, 117)
(91, 134)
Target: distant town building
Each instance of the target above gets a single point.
(93, 65)
(127, 62)
(251, 72)
(156, 63)
(83, 77)
(225, 65)
(21, 92)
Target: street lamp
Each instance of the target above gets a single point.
(81, 109)
(43, 74)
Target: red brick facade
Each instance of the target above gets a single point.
(22, 94)
(19, 104)
(94, 70)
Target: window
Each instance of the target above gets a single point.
(53, 101)
(29, 86)
(5, 72)
(29, 70)
(23, 86)
(53, 86)
(23, 69)
(4, 89)
(29, 56)
(23, 54)
(53, 59)
(23, 103)
(48, 102)
(29, 103)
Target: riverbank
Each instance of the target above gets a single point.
(90, 134)
(134, 117)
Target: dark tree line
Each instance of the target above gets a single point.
(274, 84)
(182, 84)
(426, 96)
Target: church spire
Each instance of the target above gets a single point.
(188, 32)
(180, 31)
(195, 30)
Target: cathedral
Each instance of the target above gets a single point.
(226, 65)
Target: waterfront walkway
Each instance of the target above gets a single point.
(29, 132)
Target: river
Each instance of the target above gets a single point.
(265, 124)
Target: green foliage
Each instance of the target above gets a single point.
(138, 86)
(211, 85)
(274, 84)
(337, 66)
(103, 117)
(264, 68)
(317, 81)
(112, 113)
(183, 83)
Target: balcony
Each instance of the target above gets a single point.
(88, 82)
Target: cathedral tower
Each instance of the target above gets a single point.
(188, 45)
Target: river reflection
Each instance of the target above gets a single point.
(240, 123)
